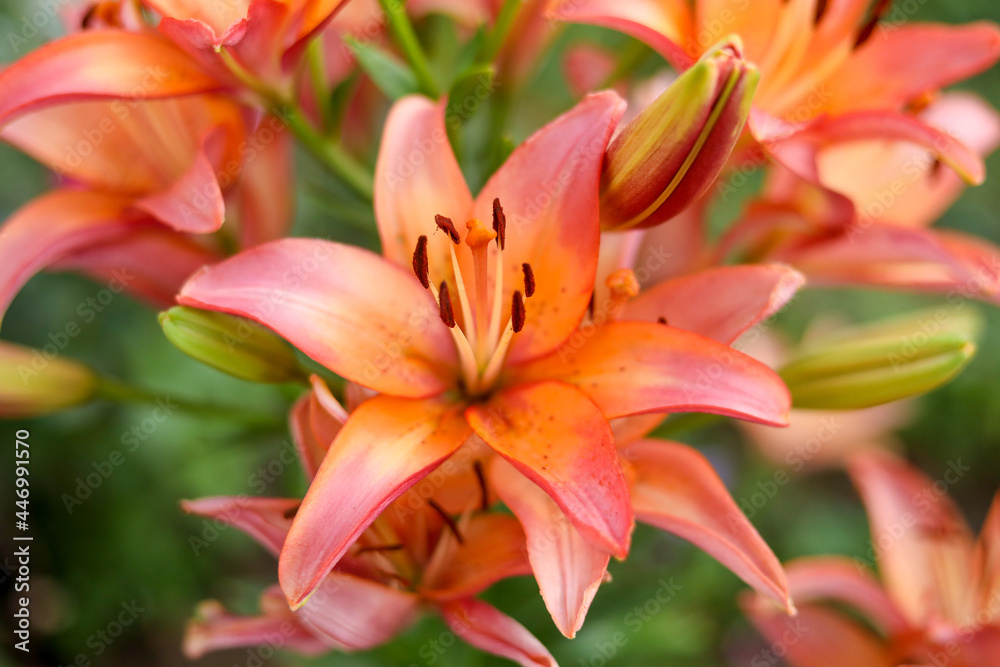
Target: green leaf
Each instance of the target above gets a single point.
(389, 74)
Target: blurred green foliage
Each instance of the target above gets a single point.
(128, 541)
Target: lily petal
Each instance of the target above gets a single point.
(151, 262)
(100, 64)
(548, 189)
(721, 303)
(265, 198)
(416, 178)
(53, 226)
(487, 629)
(315, 421)
(356, 614)
(819, 637)
(906, 61)
(347, 308)
(666, 25)
(926, 567)
(215, 629)
(553, 434)
(677, 490)
(631, 368)
(267, 520)
(987, 563)
(838, 579)
(386, 446)
(568, 568)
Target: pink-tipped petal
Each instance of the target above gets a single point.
(666, 25)
(489, 630)
(356, 614)
(924, 547)
(386, 446)
(151, 262)
(267, 520)
(315, 421)
(345, 307)
(53, 226)
(900, 63)
(416, 178)
(100, 64)
(721, 303)
(568, 568)
(838, 579)
(677, 490)
(818, 637)
(548, 190)
(553, 434)
(215, 629)
(631, 368)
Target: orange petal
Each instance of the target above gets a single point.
(347, 308)
(356, 614)
(987, 558)
(151, 262)
(816, 637)
(630, 368)
(677, 490)
(489, 630)
(416, 178)
(665, 25)
(315, 421)
(901, 63)
(52, 226)
(920, 541)
(720, 303)
(568, 568)
(386, 446)
(556, 436)
(493, 549)
(104, 63)
(220, 20)
(267, 520)
(838, 579)
(548, 189)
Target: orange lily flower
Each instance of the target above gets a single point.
(466, 345)
(831, 71)
(938, 600)
(413, 555)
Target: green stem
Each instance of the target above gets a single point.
(693, 421)
(117, 391)
(501, 29)
(406, 38)
(317, 72)
(330, 154)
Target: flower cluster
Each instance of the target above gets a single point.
(490, 395)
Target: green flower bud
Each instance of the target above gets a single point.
(33, 383)
(233, 345)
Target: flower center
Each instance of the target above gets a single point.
(481, 337)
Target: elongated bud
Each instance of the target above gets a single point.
(671, 154)
(33, 383)
(875, 364)
(232, 345)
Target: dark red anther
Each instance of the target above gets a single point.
(517, 312)
(821, 7)
(878, 11)
(529, 280)
(448, 227)
(448, 520)
(484, 503)
(447, 312)
(500, 224)
(421, 267)
(662, 320)
(291, 512)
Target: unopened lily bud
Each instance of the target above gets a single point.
(34, 383)
(888, 361)
(232, 345)
(671, 154)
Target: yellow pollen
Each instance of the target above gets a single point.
(623, 284)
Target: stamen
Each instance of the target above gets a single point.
(447, 312)
(481, 476)
(662, 320)
(881, 7)
(590, 307)
(447, 519)
(529, 280)
(378, 549)
(448, 227)
(291, 512)
(624, 286)
(499, 224)
(517, 312)
(821, 7)
(421, 267)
